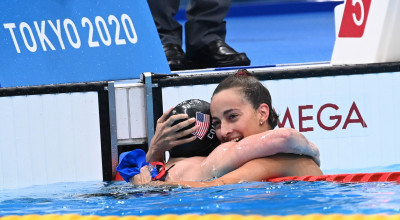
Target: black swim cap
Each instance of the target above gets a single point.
(206, 139)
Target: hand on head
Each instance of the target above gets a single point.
(169, 135)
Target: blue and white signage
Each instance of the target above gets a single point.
(67, 41)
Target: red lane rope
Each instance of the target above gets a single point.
(345, 178)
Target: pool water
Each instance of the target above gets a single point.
(261, 198)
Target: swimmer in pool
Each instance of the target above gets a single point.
(244, 120)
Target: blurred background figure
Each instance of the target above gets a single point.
(205, 31)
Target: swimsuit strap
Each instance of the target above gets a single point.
(161, 172)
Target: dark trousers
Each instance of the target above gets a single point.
(205, 22)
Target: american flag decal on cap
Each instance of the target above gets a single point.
(203, 121)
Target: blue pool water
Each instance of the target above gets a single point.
(262, 198)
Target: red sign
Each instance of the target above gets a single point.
(353, 117)
(354, 18)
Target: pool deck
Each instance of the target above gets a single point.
(284, 32)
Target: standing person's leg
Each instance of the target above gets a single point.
(169, 30)
(205, 22)
(205, 33)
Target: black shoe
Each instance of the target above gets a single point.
(218, 54)
(175, 56)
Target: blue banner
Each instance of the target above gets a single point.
(68, 41)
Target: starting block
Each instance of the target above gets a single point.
(367, 31)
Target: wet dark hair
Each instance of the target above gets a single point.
(253, 91)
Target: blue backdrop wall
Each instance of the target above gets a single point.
(59, 41)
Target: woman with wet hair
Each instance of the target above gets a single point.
(245, 89)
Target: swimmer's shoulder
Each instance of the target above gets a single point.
(281, 165)
(294, 164)
(185, 169)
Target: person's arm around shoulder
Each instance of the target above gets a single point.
(231, 155)
(167, 136)
(260, 169)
